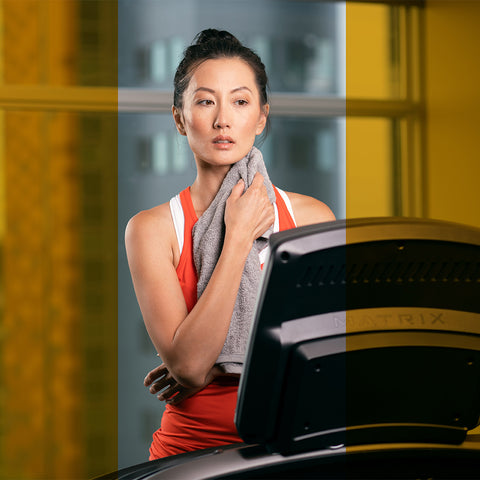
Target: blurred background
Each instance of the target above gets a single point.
(375, 111)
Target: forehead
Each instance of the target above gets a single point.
(223, 74)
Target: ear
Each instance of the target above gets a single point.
(263, 119)
(179, 122)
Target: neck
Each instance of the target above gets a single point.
(206, 186)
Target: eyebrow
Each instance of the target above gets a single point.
(206, 89)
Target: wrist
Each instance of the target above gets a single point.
(239, 244)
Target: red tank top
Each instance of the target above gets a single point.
(207, 418)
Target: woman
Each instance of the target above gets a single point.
(220, 105)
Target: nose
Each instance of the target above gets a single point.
(222, 118)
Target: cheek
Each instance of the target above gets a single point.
(250, 123)
(194, 125)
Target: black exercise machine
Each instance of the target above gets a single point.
(363, 361)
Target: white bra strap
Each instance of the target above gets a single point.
(178, 219)
(288, 204)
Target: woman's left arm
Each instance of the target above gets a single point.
(308, 210)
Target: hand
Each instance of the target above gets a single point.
(173, 392)
(250, 213)
(160, 380)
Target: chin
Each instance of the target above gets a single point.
(227, 158)
(222, 158)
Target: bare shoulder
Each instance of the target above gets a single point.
(149, 221)
(309, 210)
(150, 228)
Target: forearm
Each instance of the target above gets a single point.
(189, 343)
(199, 338)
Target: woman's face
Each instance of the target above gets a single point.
(221, 113)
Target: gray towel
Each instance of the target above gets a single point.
(208, 235)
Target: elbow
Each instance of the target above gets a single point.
(192, 383)
(190, 376)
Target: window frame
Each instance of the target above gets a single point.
(407, 114)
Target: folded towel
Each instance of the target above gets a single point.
(208, 235)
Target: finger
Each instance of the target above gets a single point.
(154, 374)
(238, 189)
(258, 188)
(161, 384)
(266, 221)
(257, 179)
(181, 395)
(175, 400)
(169, 392)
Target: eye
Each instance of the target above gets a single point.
(205, 102)
(241, 102)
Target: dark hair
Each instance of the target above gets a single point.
(211, 44)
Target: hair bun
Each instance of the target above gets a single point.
(213, 35)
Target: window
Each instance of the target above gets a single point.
(91, 83)
(345, 124)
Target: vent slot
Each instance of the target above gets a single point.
(389, 273)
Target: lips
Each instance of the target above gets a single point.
(223, 140)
